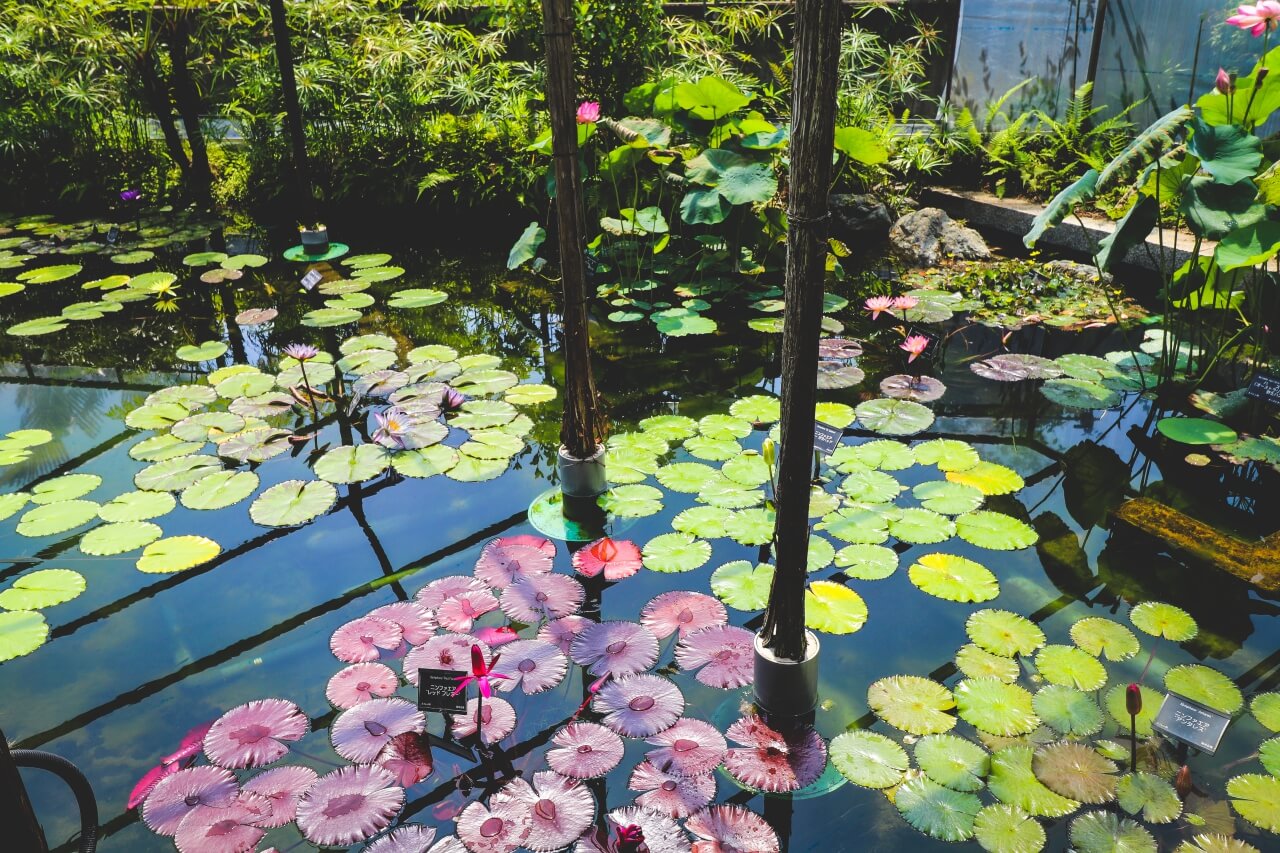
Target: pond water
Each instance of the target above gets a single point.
(139, 658)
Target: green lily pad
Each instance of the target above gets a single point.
(425, 461)
(1002, 828)
(937, 811)
(1212, 842)
(1076, 771)
(200, 259)
(137, 256)
(239, 262)
(12, 502)
(1164, 620)
(325, 317)
(292, 503)
(866, 486)
(352, 464)
(119, 537)
(868, 759)
(1099, 636)
(894, 417)
(707, 522)
(864, 525)
(750, 526)
(530, 395)
(1004, 633)
(633, 501)
(1255, 798)
(1070, 666)
(867, 562)
(174, 475)
(137, 506)
(490, 444)
(418, 297)
(1080, 394)
(220, 490)
(1150, 796)
(1114, 702)
(365, 361)
(688, 477)
(484, 414)
(724, 427)
(1067, 710)
(40, 589)
(367, 260)
(712, 449)
(1205, 685)
(913, 704)
(837, 415)
(213, 426)
(948, 454)
(177, 554)
(995, 707)
(952, 761)
(56, 518)
(748, 469)
(39, 326)
(1196, 431)
(1104, 832)
(47, 275)
(743, 586)
(943, 496)
(64, 488)
(976, 662)
(722, 492)
(819, 554)
(921, 527)
(953, 578)
(1266, 710)
(675, 552)
(989, 478)
(207, 351)
(377, 273)
(254, 445)
(652, 443)
(995, 530)
(473, 469)
(680, 322)
(478, 383)
(1013, 782)
(757, 409)
(833, 608)
(21, 633)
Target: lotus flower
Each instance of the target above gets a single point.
(584, 751)
(916, 345)
(130, 195)
(349, 805)
(447, 651)
(558, 809)
(361, 733)
(617, 558)
(408, 757)
(615, 648)
(176, 796)
(877, 304)
(539, 598)
(393, 425)
(561, 632)
(675, 796)
(301, 352)
(689, 748)
(497, 720)
(728, 828)
(215, 830)
(254, 734)
(682, 611)
(639, 705)
(1223, 82)
(535, 665)
(461, 611)
(1256, 19)
(365, 639)
(282, 787)
(503, 560)
(406, 838)
(725, 654)
(441, 590)
(416, 622)
(773, 762)
(500, 829)
(589, 111)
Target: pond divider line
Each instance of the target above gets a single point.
(53, 382)
(154, 686)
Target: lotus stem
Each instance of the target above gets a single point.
(311, 396)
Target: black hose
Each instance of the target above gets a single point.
(79, 785)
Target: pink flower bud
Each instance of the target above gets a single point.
(1133, 700)
(1223, 82)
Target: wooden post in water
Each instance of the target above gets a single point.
(292, 111)
(813, 99)
(20, 828)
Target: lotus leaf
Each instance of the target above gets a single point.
(757, 409)
(675, 552)
(943, 496)
(1004, 633)
(937, 811)
(1255, 797)
(222, 373)
(837, 415)
(711, 449)
(635, 501)
(484, 414)
(628, 466)
(530, 395)
(750, 526)
(44, 588)
(913, 704)
(479, 361)
(64, 488)
(377, 273)
(820, 554)
(723, 427)
(952, 761)
(859, 525)
(177, 554)
(363, 361)
(473, 469)
(976, 662)
(652, 443)
(255, 445)
(137, 506)
(21, 633)
(688, 477)
(245, 385)
(743, 586)
(723, 492)
(1104, 832)
(174, 475)
(866, 486)
(868, 759)
(995, 530)
(1150, 796)
(220, 490)
(292, 503)
(486, 381)
(1205, 685)
(119, 537)
(1096, 634)
(207, 351)
(953, 578)
(884, 454)
(995, 707)
(1266, 709)
(1003, 828)
(707, 522)
(39, 326)
(324, 317)
(57, 517)
(989, 478)
(921, 527)
(207, 426)
(1114, 701)
(1164, 620)
(421, 297)
(1069, 711)
(1013, 781)
(425, 462)
(1076, 771)
(1268, 752)
(1070, 666)
(867, 562)
(894, 417)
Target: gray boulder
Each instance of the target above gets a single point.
(924, 237)
(858, 218)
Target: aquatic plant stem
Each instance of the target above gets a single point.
(311, 395)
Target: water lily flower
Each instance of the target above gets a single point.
(130, 195)
(301, 352)
(1223, 82)
(393, 425)
(1257, 19)
(481, 673)
(916, 345)
(452, 399)
(876, 304)
(589, 111)
(905, 302)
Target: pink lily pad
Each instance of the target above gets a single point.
(669, 794)
(723, 655)
(689, 748)
(255, 733)
(538, 598)
(639, 705)
(584, 751)
(535, 665)
(360, 682)
(615, 648)
(682, 611)
(361, 733)
(617, 558)
(365, 639)
(349, 805)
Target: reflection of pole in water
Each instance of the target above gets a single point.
(777, 812)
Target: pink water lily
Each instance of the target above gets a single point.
(877, 304)
(589, 111)
(1257, 19)
(905, 302)
(916, 345)
(481, 673)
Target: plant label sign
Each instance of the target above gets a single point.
(312, 278)
(1265, 387)
(826, 438)
(113, 234)
(435, 691)
(1192, 723)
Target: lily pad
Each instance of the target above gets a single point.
(631, 501)
(913, 704)
(220, 490)
(379, 273)
(948, 454)
(833, 608)
(21, 633)
(959, 764)
(943, 496)
(48, 275)
(425, 462)
(1099, 637)
(1013, 782)
(1067, 710)
(1266, 710)
(174, 475)
(757, 409)
(1076, 771)
(867, 524)
(177, 554)
(724, 427)
(39, 326)
(1164, 620)
(56, 518)
(884, 454)
(1002, 828)
(120, 537)
(64, 488)
(750, 526)
(868, 759)
(921, 527)
(239, 262)
(976, 662)
(866, 486)
(937, 811)
(472, 469)
(995, 707)
(707, 522)
(743, 586)
(1104, 832)
(205, 426)
(867, 561)
(420, 297)
(479, 383)
(989, 478)
(137, 506)
(688, 477)
(1016, 367)
(1196, 431)
(292, 503)
(1114, 702)
(40, 589)
(352, 464)
(1149, 796)
(954, 578)
(675, 552)
(1205, 685)
(711, 449)
(1071, 667)
(200, 259)
(325, 317)
(255, 445)
(1255, 797)
(722, 492)
(530, 394)
(1080, 394)
(1004, 633)
(894, 417)
(207, 351)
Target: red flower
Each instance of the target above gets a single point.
(480, 673)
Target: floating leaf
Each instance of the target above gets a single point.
(425, 462)
(976, 662)
(1164, 620)
(1205, 685)
(117, 538)
(377, 273)
(948, 498)
(995, 707)
(1016, 367)
(364, 261)
(12, 502)
(255, 445)
(1104, 832)
(748, 469)
(953, 578)
(530, 395)
(867, 562)
(865, 525)
(200, 259)
(868, 759)
(39, 326)
(64, 488)
(47, 275)
(989, 478)
(1212, 842)
(675, 552)
(1070, 666)
(245, 385)
(837, 415)
(995, 530)
(471, 469)
(952, 761)
(688, 477)
(478, 383)
(913, 704)
(352, 464)
(921, 527)
(1196, 431)
(1004, 633)
(57, 518)
(757, 409)
(1099, 636)
(634, 501)
(207, 351)
(177, 553)
(220, 490)
(723, 492)
(137, 506)
(21, 633)
(884, 454)
(1114, 701)
(1003, 828)
(920, 389)
(1266, 710)
(711, 449)
(1150, 796)
(208, 426)
(894, 417)
(834, 608)
(1076, 771)
(659, 428)
(937, 811)
(1080, 394)
(751, 526)
(707, 522)
(44, 588)
(292, 503)
(948, 454)
(724, 427)
(1013, 781)
(819, 554)
(1255, 797)
(1067, 710)
(325, 317)
(420, 297)
(866, 486)
(174, 475)
(743, 586)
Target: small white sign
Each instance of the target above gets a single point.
(312, 278)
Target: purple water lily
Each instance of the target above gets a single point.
(130, 195)
(452, 399)
(393, 425)
(301, 352)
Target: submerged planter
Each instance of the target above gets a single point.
(315, 241)
(582, 478)
(784, 687)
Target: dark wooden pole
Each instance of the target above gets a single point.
(292, 112)
(813, 111)
(582, 429)
(18, 820)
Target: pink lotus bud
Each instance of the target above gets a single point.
(1223, 82)
(588, 112)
